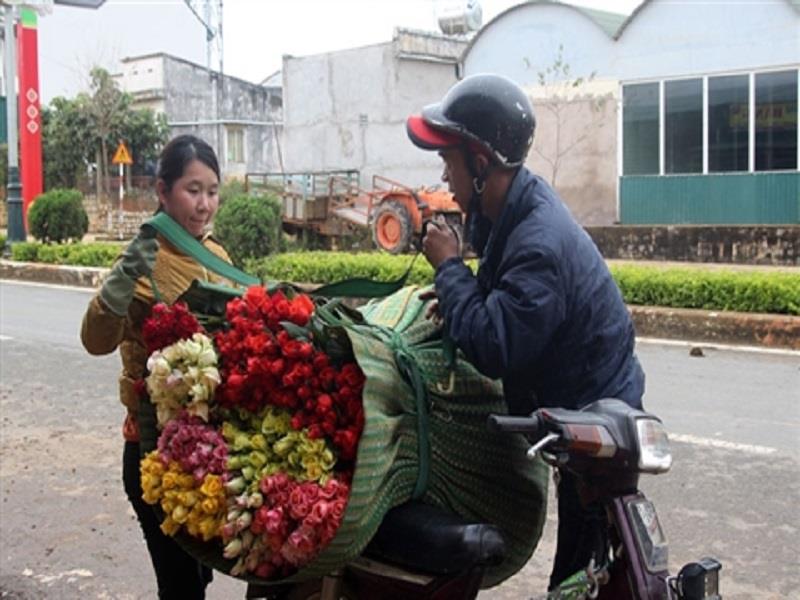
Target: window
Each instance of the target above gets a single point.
(751, 124)
(235, 144)
(776, 121)
(728, 123)
(640, 129)
(683, 126)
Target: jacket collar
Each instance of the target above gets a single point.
(514, 210)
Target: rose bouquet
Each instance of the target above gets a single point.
(257, 430)
(278, 431)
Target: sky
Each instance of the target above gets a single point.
(256, 33)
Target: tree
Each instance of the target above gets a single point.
(106, 107)
(84, 130)
(145, 133)
(565, 97)
(67, 143)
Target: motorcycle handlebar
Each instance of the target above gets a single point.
(532, 425)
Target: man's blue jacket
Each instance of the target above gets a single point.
(543, 313)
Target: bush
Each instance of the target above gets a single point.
(327, 267)
(745, 291)
(25, 251)
(2, 242)
(231, 189)
(86, 255)
(58, 215)
(249, 226)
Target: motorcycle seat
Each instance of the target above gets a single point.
(428, 539)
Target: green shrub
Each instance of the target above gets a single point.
(99, 254)
(231, 189)
(2, 242)
(25, 251)
(327, 267)
(58, 215)
(744, 291)
(249, 226)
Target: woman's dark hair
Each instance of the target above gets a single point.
(179, 152)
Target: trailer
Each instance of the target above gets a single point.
(332, 204)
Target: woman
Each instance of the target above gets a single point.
(187, 186)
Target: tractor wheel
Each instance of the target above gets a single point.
(391, 227)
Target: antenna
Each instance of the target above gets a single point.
(211, 20)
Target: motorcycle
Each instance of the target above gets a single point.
(423, 552)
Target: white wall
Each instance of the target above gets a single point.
(525, 40)
(142, 74)
(696, 37)
(347, 110)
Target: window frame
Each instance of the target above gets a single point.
(230, 149)
(750, 73)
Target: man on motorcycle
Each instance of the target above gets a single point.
(543, 312)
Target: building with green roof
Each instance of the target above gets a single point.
(683, 113)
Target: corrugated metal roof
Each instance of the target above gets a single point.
(608, 21)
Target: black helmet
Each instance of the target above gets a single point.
(488, 111)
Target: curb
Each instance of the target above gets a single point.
(713, 327)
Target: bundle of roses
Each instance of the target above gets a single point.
(259, 431)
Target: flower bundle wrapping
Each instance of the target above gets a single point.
(321, 429)
(257, 432)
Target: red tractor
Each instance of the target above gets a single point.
(398, 213)
(331, 204)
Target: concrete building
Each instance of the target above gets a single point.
(687, 112)
(241, 120)
(346, 110)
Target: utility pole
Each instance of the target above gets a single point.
(16, 223)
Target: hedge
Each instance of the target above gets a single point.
(775, 292)
(95, 254)
(745, 291)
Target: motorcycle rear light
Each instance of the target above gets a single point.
(593, 440)
(699, 580)
(654, 451)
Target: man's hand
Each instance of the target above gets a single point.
(439, 244)
(432, 312)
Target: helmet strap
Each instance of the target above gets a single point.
(477, 226)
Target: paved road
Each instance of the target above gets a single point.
(66, 531)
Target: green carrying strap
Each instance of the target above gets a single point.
(357, 287)
(410, 371)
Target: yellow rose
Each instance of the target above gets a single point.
(186, 481)
(209, 528)
(170, 527)
(210, 506)
(313, 472)
(189, 498)
(180, 514)
(212, 486)
(170, 480)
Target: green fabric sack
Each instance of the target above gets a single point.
(425, 436)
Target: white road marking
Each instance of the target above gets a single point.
(57, 286)
(715, 346)
(713, 443)
(71, 576)
(5, 338)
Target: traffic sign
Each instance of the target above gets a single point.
(122, 156)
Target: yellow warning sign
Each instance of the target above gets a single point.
(122, 156)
